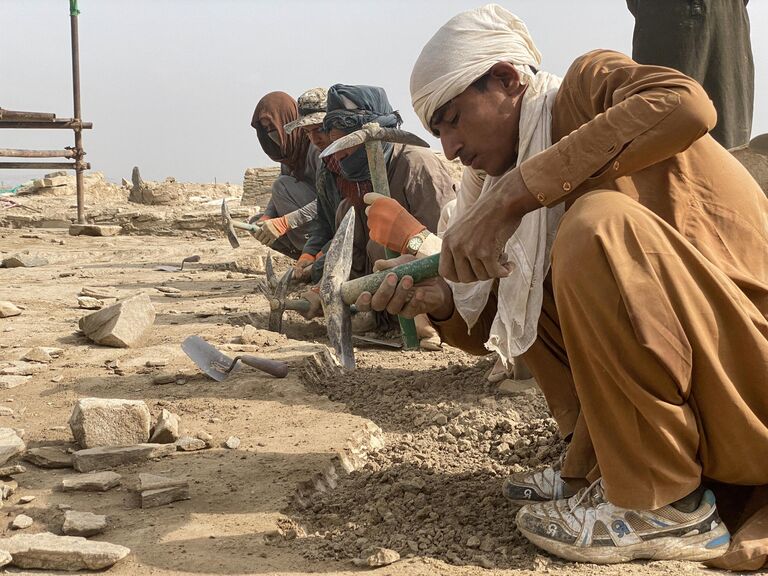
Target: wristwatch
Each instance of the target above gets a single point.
(415, 242)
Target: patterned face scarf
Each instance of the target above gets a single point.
(350, 190)
(349, 108)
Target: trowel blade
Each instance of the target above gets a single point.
(214, 363)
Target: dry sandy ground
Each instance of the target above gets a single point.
(291, 429)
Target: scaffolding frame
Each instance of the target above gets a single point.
(11, 119)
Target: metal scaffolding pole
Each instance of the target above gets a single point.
(79, 164)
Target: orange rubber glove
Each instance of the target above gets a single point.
(270, 230)
(303, 267)
(389, 223)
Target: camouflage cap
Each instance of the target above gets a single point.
(311, 109)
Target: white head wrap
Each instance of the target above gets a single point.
(458, 54)
(464, 49)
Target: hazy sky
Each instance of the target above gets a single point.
(170, 85)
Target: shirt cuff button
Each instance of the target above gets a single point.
(567, 186)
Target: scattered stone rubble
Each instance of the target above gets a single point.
(154, 490)
(122, 325)
(10, 444)
(166, 430)
(450, 435)
(110, 422)
(49, 457)
(257, 184)
(21, 522)
(23, 260)
(108, 457)
(8, 309)
(83, 523)
(94, 482)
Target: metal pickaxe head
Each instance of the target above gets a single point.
(338, 264)
(229, 229)
(372, 132)
(277, 302)
(271, 276)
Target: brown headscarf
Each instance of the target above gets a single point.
(278, 108)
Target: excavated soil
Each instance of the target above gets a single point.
(407, 452)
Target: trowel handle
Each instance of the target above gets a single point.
(419, 270)
(244, 226)
(274, 367)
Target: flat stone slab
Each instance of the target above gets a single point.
(21, 522)
(23, 261)
(94, 482)
(7, 471)
(8, 309)
(48, 457)
(10, 444)
(47, 551)
(122, 325)
(106, 457)
(42, 354)
(99, 292)
(190, 444)
(156, 482)
(94, 230)
(110, 422)
(11, 381)
(83, 523)
(21, 368)
(162, 496)
(89, 303)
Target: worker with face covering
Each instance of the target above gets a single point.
(287, 219)
(419, 181)
(617, 247)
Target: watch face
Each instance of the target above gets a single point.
(415, 243)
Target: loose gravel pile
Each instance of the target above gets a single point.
(434, 490)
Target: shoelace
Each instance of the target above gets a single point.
(593, 493)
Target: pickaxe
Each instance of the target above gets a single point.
(230, 225)
(275, 292)
(372, 135)
(338, 293)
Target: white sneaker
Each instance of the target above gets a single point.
(588, 528)
(540, 486)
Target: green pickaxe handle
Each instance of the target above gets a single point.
(419, 270)
(244, 226)
(378, 168)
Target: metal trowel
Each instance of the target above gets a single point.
(219, 366)
(165, 268)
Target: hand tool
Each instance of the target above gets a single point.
(219, 366)
(372, 135)
(338, 293)
(230, 225)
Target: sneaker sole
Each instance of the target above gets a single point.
(698, 548)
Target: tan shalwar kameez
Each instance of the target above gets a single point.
(653, 338)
